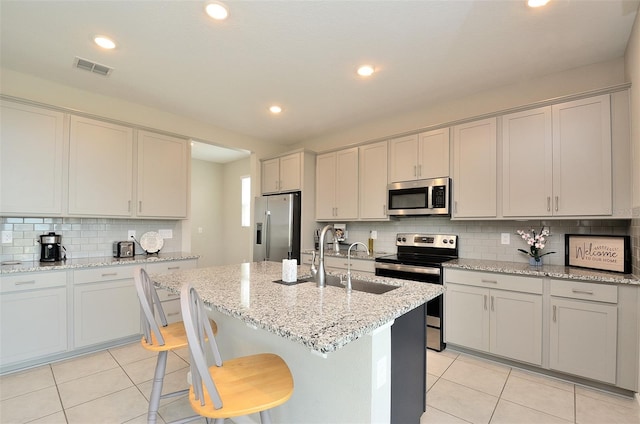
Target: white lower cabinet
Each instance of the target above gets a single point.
(583, 330)
(170, 301)
(495, 313)
(106, 305)
(33, 312)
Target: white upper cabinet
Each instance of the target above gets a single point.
(527, 173)
(100, 168)
(419, 156)
(32, 160)
(282, 174)
(373, 181)
(556, 160)
(474, 183)
(337, 185)
(582, 157)
(163, 176)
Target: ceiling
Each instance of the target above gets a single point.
(303, 54)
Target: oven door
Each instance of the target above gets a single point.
(435, 324)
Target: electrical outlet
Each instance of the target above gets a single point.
(131, 234)
(7, 237)
(199, 230)
(505, 238)
(166, 234)
(374, 235)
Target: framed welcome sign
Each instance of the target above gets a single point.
(605, 253)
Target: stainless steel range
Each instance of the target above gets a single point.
(419, 257)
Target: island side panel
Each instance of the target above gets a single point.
(350, 385)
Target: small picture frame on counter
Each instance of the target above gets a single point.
(599, 252)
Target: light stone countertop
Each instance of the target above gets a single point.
(321, 319)
(36, 266)
(551, 271)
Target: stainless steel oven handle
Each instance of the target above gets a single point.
(408, 268)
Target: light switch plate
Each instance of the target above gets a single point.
(7, 237)
(166, 234)
(505, 238)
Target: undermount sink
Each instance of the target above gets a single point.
(357, 285)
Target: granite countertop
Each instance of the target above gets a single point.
(551, 271)
(322, 320)
(36, 266)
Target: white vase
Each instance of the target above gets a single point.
(533, 262)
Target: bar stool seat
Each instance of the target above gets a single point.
(161, 338)
(237, 387)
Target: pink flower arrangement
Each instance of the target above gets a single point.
(536, 243)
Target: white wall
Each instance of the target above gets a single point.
(43, 91)
(632, 74)
(207, 224)
(574, 81)
(236, 239)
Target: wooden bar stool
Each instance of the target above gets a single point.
(159, 338)
(239, 386)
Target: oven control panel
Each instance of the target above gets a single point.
(427, 240)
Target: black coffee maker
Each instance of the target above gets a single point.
(51, 249)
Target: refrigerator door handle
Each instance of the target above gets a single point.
(267, 234)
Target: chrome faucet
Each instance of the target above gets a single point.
(348, 286)
(321, 275)
(314, 270)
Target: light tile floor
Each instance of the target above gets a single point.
(113, 386)
(465, 389)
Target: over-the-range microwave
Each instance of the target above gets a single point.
(420, 197)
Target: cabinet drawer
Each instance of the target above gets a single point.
(498, 281)
(361, 265)
(31, 281)
(170, 266)
(172, 311)
(165, 295)
(95, 275)
(585, 291)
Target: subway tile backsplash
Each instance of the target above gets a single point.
(81, 237)
(482, 239)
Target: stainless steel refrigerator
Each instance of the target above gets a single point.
(277, 227)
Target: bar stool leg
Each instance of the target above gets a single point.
(156, 390)
(265, 417)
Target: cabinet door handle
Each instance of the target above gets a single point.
(554, 313)
(581, 291)
(415, 171)
(557, 203)
(492, 304)
(170, 314)
(548, 203)
(455, 206)
(110, 274)
(485, 302)
(173, 267)
(129, 206)
(489, 281)
(140, 206)
(384, 209)
(173, 295)
(22, 283)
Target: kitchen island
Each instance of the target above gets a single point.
(338, 345)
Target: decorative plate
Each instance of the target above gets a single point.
(151, 242)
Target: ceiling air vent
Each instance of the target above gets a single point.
(90, 66)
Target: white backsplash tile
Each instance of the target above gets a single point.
(81, 237)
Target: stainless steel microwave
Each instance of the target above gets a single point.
(421, 197)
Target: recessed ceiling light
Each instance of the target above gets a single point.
(275, 109)
(537, 3)
(366, 71)
(217, 11)
(104, 42)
